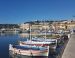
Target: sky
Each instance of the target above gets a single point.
(20, 11)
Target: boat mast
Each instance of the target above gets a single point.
(30, 30)
(45, 28)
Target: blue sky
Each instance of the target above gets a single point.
(19, 11)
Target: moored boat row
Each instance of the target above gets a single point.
(34, 46)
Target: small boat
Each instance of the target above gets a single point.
(28, 50)
(52, 43)
(43, 39)
(48, 42)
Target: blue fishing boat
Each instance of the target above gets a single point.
(28, 50)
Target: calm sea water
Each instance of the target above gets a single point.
(6, 39)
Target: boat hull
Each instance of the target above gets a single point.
(40, 44)
(28, 53)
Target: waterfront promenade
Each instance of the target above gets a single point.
(69, 51)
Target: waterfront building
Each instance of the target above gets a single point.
(56, 25)
(24, 26)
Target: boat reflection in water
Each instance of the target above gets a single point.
(23, 35)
